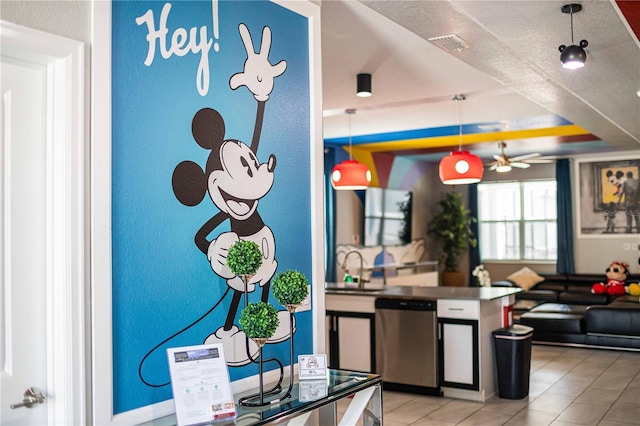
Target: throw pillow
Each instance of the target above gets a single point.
(525, 278)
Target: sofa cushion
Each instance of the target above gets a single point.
(583, 298)
(542, 295)
(525, 278)
(626, 300)
(553, 322)
(613, 320)
(551, 286)
(587, 279)
(560, 308)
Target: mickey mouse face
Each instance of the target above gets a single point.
(236, 187)
(614, 178)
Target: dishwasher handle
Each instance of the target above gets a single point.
(406, 305)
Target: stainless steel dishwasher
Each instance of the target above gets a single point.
(407, 345)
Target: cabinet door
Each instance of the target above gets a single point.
(351, 341)
(458, 344)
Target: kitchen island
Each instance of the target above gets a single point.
(465, 317)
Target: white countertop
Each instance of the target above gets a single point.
(427, 293)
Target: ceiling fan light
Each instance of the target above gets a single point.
(461, 168)
(364, 86)
(503, 168)
(573, 57)
(350, 174)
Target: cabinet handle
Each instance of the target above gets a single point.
(456, 309)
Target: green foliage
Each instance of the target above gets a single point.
(290, 287)
(452, 229)
(259, 320)
(406, 207)
(244, 258)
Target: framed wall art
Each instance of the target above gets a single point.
(609, 197)
(206, 131)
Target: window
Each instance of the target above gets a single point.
(517, 220)
(387, 217)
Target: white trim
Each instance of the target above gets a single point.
(101, 254)
(101, 359)
(64, 59)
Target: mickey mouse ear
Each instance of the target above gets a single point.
(189, 183)
(208, 128)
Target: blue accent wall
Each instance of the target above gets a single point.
(165, 292)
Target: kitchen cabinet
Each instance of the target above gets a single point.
(350, 336)
(458, 350)
(466, 318)
(465, 347)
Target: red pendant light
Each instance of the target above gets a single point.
(461, 167)
(350, 174)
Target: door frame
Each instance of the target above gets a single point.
(66, 239)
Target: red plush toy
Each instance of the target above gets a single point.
(617, 273)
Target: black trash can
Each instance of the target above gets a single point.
(513, 358)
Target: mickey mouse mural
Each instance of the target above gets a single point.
(235, 181)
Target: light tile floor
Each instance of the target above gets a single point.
(568, 386)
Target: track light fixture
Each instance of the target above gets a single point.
(364, 85)
(460, 167)
(574, 56)
(350, 174)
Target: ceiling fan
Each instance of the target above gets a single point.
(504, 163)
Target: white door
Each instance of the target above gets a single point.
(42, 346)
(24, 336)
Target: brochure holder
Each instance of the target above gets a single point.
(200, 384)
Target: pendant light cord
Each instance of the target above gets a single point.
(350, 113)
(571, 15)
(459, 117)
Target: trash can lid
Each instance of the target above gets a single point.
(513, 330)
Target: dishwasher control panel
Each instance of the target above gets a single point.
(406, 305)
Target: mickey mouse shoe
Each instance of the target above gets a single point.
(235, 345)
(283, 332)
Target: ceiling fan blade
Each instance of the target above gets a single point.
(526, 156)
(495, 166)
(541, 161)
(497, 157)
(520, 165)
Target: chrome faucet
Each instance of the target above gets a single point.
(344, 266)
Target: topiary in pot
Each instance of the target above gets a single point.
(290, 288)
(259, 321)
(244, 258)
(451, 228)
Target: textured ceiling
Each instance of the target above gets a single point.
(515, 86)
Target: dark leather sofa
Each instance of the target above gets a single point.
(562, 310)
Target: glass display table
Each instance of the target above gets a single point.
(314, 402)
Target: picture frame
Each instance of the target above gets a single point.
(104, 384)
(607, 202)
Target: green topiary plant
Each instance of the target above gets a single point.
(244, 258)
(259, 320)
(290, 287)
(452, 229)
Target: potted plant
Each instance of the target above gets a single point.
(259, 321)
(451, 228)
(244, 259)
(290, 288)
